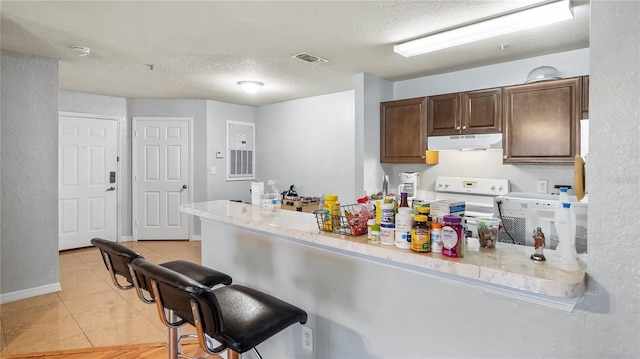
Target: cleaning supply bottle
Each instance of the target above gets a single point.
(565, 223)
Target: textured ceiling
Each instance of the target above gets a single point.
(200, 50)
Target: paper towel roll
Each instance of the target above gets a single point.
(257, 190)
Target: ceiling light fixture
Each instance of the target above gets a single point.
(521, 20)
(250, 86)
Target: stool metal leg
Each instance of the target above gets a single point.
(174, 336)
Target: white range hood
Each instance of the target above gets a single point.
(465, 142)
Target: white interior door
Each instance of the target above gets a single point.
(161, 153)
(87, 188)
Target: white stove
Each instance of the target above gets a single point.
(477, 193)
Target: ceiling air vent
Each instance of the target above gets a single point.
(310, 59)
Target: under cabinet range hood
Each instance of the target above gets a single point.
(465, 142)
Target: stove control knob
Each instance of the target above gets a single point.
(446, 185)
(493, 188)
(500, 188)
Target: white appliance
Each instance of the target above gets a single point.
(522, 213)
(465, 142)
(409, 182)
(477, 193)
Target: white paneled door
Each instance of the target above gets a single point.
(87, 188)
(161, 156)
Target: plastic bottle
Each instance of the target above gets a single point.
(387, 214)
(420, 234)
(436, 240)
(370, 223)
(375, 234)
(331, 210)
(404, 223)
(387, 234)
(452, 237)
(565, 223)
(564, 196)
(271, 199)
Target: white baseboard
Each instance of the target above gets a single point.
(126, 239)
(31, 292)
(197, 237)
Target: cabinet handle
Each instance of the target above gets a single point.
(504, 157)
(464, 128)
(458, 128)
(423, 157)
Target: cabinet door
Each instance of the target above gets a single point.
(403, 131)
(482, 112)
(444, 114)
(541, 122)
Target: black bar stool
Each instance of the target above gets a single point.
(117, 258)
(238, 317)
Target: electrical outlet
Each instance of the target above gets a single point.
(542, 187)
(307, 338)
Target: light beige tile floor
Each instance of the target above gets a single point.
(89, 311)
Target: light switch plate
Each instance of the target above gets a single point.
(541, 187)
(213, 170)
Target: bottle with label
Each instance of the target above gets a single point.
(375, 234)
(387, 213)
(331, 210)
(403, 200)
(436, 240)
(420, 234)
(387, 234)
(272, 198)
(404, 224)
(452, 237)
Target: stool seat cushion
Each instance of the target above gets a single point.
(251, 317)
(203, 275)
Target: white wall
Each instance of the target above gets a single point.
(218, 113)
(29, 176)
(488, 164)
(612, 303)
(370, 91)
(309, 143)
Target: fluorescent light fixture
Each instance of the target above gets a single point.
(250, 86)
(521, 20)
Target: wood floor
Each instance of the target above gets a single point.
(132, 351)
(90, 317)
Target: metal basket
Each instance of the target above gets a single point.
(348, 223)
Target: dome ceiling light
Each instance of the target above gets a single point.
(250, 86)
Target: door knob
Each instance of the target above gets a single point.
(111, 189)
(184, 186)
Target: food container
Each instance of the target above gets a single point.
(352, 220)
(488, 232)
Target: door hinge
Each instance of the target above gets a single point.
(136, 178)
(118, 159)
(136, 222)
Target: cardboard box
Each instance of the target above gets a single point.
(292, 205)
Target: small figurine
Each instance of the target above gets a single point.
(538, 243)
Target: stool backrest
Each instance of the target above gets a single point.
(116, 258)
(175, 291)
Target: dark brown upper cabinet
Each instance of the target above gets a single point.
(541, 122)
(403, 131)
(471, 112)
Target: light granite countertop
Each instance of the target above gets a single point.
(506, 266)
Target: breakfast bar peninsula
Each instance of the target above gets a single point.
(373, 301)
